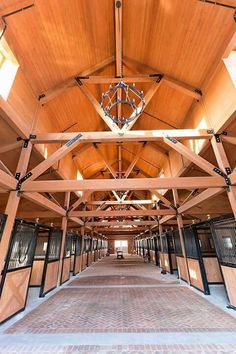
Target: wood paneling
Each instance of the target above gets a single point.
(14, 292)
(65, 270)
(181, 268)
(212, 269)
(166, 262)
(72, 262)
(195, 273)
(51, 276)
(173, 261)
(78, 260)
(230, 283)
(37, 273)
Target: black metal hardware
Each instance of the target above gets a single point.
(79, 82)
(32, 136)
(41, 96)
(72, 141)
(173, 140)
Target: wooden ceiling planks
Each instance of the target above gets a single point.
(176, 39)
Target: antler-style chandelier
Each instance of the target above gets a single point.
(124, 98)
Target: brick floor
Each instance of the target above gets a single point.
(158, 309)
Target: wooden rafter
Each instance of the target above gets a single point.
(117, 213)
(205, 195)
(135, 160)
(123, 184)
(47, 96)
(10, 147)
(108, 166)
(38, 199)
(7, 181)
(113, 126)
(147, 98)
(117, 223)
(192, 156)
(175, 84)
(130, 136)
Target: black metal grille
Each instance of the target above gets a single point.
(177, 243)
(205, 240)
(164, 243)
(54, 245)
(169, 236)
(68, 244)
(78, 245)
(2, 224)
(224, 233)
(190, 243)
(22, 245)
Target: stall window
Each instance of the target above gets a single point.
(22, 246)
(54, 245)
(164, 243)
(225, 241)
(190, 243)
(68, 244)
(78, 245)
(177, 243)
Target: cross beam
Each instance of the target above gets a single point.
(130, 136)
(124, 184)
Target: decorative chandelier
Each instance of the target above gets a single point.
(123, 98)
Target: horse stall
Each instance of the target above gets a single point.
(196, 268)
(77, 242)
(224, 235)
(72, 256)
(95, 249)
(46, 259)
(182, 272)
(85, 253)
(17, 269)
(152, 250)
(90, 252)
(66, 261)
(169, 257)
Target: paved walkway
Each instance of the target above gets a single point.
(122, 306)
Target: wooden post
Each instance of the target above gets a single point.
(224, 165)
(64, 229)
(13, 203)
(180, 227)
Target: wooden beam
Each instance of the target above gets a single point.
(130, 136)
(135, 160)
(44, 202)
(97, 106)
(18, 6)
(114, 80)
(123, 184)
(108, 166)
(117, 223)
(162, 198)
(82, 149)
(158, 148)
(147, 98)
(117, 213)
(229, 139)
(205, 195)
(12, 205)
(76, 220)
(56, 156)
(81, 200)
(38, 214)
(10, 147)
(124, 202)
(50, 94)
(192, 156)
(6, 181)
(171, 82)
(223, 162)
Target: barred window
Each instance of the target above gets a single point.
(22, 245)
(224, 233)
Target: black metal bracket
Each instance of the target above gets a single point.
(210, 131)
(41, 96)
(173, 140)
(79, 82)
(158, 77)
(32, 136)
(198, 91)
(23, 179)
(222, 174)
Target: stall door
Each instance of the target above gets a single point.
(224, 233)
(208, 253)
(179, 256)
(16, 274)
(195, 263)
(51, 265)
(66, 262)
(78, 255)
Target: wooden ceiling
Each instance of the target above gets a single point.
(56, 40)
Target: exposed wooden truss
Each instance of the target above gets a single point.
(117, 213)
(123, 184)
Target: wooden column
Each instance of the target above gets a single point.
(64, 229)
(180, 227)
(224, 165)
(13, 203)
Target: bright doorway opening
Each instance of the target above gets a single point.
(121, 245)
